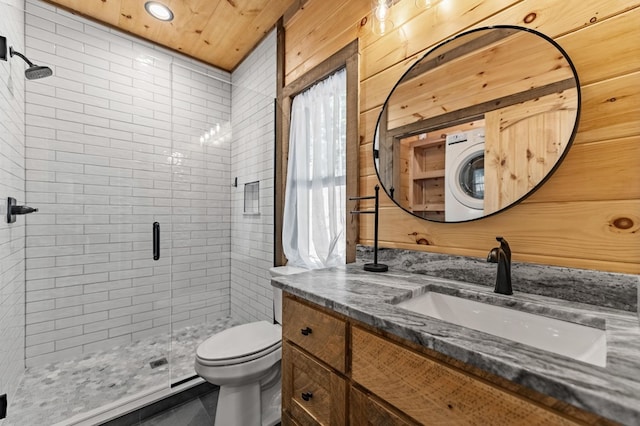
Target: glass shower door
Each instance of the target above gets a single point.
(201, 212)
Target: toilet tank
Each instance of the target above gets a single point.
(279, 271)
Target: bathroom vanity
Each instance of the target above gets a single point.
(352, 356)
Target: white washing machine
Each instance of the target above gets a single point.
(464, 176)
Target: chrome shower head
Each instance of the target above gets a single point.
(34, 71)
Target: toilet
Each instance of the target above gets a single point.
(245, 362)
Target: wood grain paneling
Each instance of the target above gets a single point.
(490, 72)
(612, 38)
(287, 420)
(315, 331)
(376, 88)
(420, 31)
(572, 181)
(573, 233)
(522, 145)
(311, 393)
(364, 411)
(368, 122)
(281, 148)
(586, 215)
(610, 109)
(434, 393)
(323, 29)
(616, 157)
(219, 32)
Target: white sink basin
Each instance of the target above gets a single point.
(576, 341)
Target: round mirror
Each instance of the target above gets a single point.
(477, 124)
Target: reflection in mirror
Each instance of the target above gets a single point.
(477, 124)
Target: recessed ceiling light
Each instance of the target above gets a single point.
(158, 11)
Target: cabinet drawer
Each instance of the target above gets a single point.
(433, 393)
(311, 393)
(287, 420)
(318, 333)
(366, 412)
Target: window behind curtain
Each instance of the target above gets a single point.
(313, 234)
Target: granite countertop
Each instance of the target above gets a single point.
(612, 391)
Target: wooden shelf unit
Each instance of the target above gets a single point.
(426, 175)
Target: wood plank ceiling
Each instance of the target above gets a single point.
(218, 32)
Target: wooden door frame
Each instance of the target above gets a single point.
(348, 58)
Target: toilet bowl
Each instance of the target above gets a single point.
(245, 362)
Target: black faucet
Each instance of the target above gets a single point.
(502, 256)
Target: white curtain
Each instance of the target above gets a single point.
(314, 206)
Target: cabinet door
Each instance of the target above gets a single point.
(311, 393)
(434, 393)
(316, 332)
(366, 412)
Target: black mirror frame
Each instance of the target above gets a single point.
(543, 180)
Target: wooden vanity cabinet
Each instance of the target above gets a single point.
(432, 392)
(366, 411)
(343, 372)
(316, 332)
(311, 393)
(314, 387)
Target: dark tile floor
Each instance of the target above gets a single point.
(189, 414)
(193, 407)
(197, 412)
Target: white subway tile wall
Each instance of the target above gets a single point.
(252, 159)
(12, 236)
(115, 140)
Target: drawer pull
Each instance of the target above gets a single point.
(307, 396)
(306, 331)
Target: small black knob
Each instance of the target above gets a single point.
(306, 331)
(307, 396)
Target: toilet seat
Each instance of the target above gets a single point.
(240, 344)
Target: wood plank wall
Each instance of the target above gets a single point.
(588, 214)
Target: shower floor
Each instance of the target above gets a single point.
(55, 392)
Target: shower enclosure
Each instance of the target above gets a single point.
(130, 154)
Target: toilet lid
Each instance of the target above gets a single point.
(241, 341)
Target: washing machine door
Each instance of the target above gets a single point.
(468, 178)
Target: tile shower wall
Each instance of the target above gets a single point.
(106, 156)
(12, 236)
(252, 159)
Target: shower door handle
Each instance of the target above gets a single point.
(156, 241)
